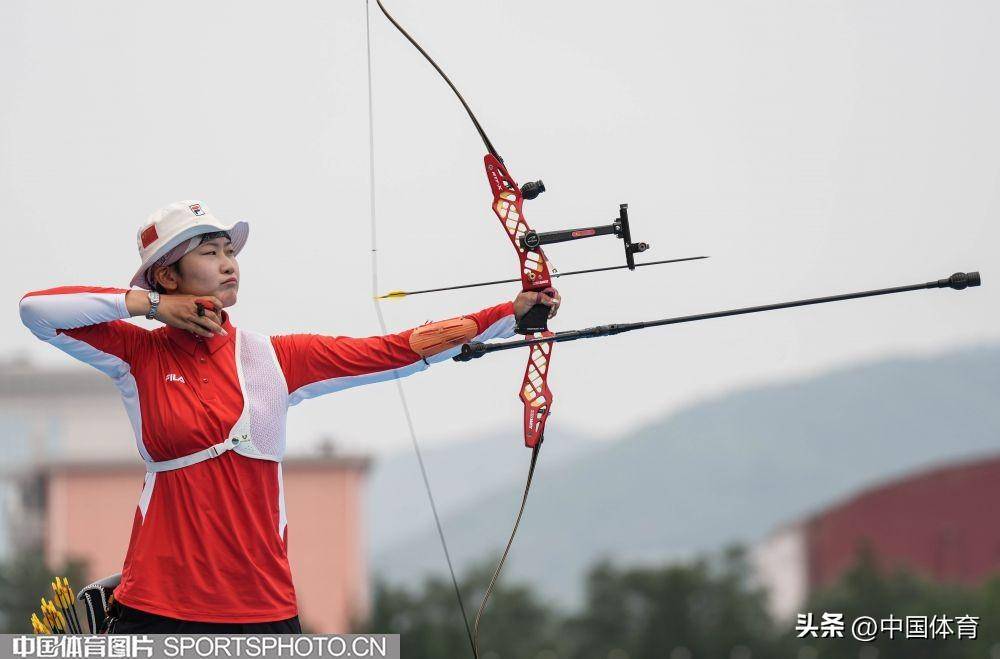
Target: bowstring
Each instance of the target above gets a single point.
(382, 326)
(506, 551)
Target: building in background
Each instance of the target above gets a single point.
(72, 480)
(936, 523)
(46, 416)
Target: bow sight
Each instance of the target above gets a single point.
(533, 239)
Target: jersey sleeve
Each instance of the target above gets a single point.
(314, 364)
(86, 322)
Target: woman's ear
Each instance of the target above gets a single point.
(168, 277)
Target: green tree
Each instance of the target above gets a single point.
(868, 589)
(515, 625)
(706, 607)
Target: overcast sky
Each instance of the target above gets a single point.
(809, 147)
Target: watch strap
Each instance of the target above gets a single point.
(154, 304)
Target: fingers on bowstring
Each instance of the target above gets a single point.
(210, 303)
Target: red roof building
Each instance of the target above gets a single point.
(939, 523)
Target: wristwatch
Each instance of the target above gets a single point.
(154, 302)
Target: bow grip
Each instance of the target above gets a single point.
(535, 321)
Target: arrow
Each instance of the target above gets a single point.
(395, 295)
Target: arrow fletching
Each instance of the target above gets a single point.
(393, 295)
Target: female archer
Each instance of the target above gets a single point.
(208, 404)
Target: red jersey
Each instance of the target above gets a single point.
(202, 549)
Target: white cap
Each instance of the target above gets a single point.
(175, 223)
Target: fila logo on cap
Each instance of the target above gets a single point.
(196, 209)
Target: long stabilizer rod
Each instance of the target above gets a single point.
(958, 281)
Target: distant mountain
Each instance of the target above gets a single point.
(461, 474)
(727, 469)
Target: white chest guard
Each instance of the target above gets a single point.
(260, 431)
